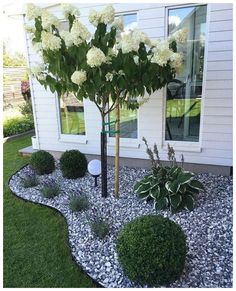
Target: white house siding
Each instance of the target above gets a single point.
(215, 146)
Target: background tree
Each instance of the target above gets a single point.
(112, 67)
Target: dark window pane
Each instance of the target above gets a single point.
(184, 93)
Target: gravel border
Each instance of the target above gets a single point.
(208, 227)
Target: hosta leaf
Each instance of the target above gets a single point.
(167, 186)
(188, 202)
(175, 200)
(155, 192)
(161, 203)
(144, 188)
(144, 195)
(174, 186)
(182, 189)
(196, 185)
(185, 177)
(137, 185)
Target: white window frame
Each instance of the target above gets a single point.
(127, 142)
(74, 138)
(187, 146)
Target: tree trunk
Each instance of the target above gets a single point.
(104, 158)
(117, 157)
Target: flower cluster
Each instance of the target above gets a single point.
(118, 23)
(38, 72)
(161, 53)
(79, 32)
(176, 61)
(79, 77)
(109, 77)
(48, 19)
(95, 57)
(105, 16)
(180, 36)
(67, 37)
(50, 41)
(33, 11)
(69, 9)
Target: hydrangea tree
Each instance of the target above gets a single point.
(112, 67)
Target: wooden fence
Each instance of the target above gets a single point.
(12, 77)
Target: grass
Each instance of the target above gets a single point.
(36, 251)
(73, 123)
(178, 107)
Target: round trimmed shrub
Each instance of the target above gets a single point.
(42, 162)
(152, 250)
(73, 164)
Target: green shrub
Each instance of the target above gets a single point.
(16, 125)
(50, 189)
(26, 109)
(170, 187)
(73, 164)
(152, 250)
(42, 162)
(100, 228)
(30, 181)
(79, 203)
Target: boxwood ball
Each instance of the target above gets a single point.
(152, 250)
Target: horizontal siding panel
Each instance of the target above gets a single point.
(219, 94)
(219, 65)
(220, 46)
(151, 23)
(220, 56)
(220, 36)
(219, 75)
(215, 136)
(221, 25)
(215, 120)
(212, 111)
(221, 128)
(154, 32)
(221, 15)
(217, 144)
(221, 6)
(220, 102)
(152, 13)
(219, 84)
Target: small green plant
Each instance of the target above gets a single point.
(73, 164)
(79, 203)
(16, 125)
(50, 189)
(99, 225)
(170, 187)
(30, 180)
(42, 162)
(152, 250)
(26, 109)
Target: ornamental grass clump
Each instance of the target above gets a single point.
(50, 188)
(99, 224)
(30, 180)
(73, 164)
(152, 250)
(79, 203)
(42, 162)
(169, 186)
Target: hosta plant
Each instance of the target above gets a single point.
(170, 186)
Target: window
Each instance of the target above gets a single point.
(184, 93)
(128, 118)
(72, 115)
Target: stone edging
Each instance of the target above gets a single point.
(57, 211)
(11, 137)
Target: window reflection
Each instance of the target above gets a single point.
(184, 93)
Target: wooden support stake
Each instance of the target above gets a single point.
(117, 156)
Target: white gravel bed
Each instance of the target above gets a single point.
(208, 227)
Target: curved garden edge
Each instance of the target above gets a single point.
(15, 136)
(57, 211)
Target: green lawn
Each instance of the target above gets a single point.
(36, 251)
(73, 123)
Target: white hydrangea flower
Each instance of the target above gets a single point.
(118, 23)
(107, 14)
(109, 77)
(48, 19)
(121, 73)
(79, 32)
(79, 77)
(180, 36)
(141, 36)
(94, 17)
(29, 29)
(67, 37)
(95, 57)
(128, 43)
(41, 77)
(176, 61)
(50, 41)
(33, 11)
(161, 53)
(69, 9)
(37, 71)
(136, 60)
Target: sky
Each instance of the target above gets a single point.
(12, 27)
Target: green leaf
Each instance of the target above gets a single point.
(155, 192)
(175, 200)
(196, 185)
(137, 185)
(188, 202)
(161, 203)
(185, 177)
(174, 186)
